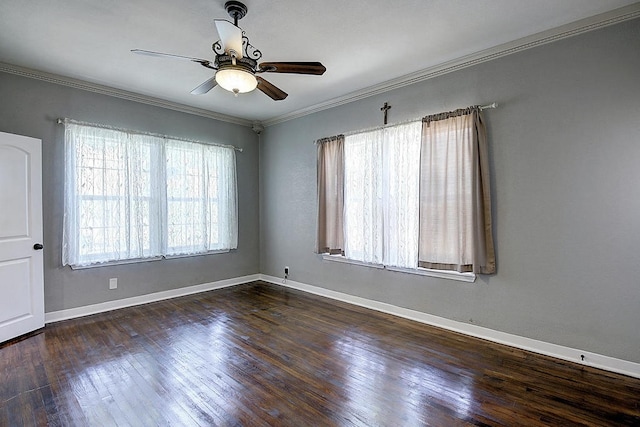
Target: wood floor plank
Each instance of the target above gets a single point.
(264, 355)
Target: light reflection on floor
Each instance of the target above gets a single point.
(111, 381)
(206, 372)
(421, 387)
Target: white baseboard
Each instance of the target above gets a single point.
(541, 347)
(56, 316)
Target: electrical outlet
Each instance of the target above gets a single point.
(286, 272)
(113, 283)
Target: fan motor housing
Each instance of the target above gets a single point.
(245, 63)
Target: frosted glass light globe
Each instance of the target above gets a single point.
(236, 80)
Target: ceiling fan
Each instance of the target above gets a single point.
(236, 61)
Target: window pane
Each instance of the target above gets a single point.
(363, 197)
(186, 198)
(111, 198)
(136, 196)
(401, 171)
(381, 195)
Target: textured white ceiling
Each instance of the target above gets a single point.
(362, 43)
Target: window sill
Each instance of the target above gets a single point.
(442, 274)
(141, 260)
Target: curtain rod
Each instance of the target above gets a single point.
(101, 126)
(481, 107)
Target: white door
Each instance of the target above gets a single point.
(21, 260)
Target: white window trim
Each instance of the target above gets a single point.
(441, 274)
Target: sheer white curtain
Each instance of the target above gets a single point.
(201, 201)
(363, 232)
(134, 196)
(109, 195)
(401, 196)
(381, 195)
(222, 219)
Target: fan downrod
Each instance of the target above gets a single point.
(237, 10)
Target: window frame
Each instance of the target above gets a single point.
(421, 271)
(156, 200)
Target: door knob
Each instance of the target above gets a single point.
(38, 246)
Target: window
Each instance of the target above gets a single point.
(413, 196)
(381, 195)
(137, 196)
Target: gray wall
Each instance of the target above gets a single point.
(30, 107)
(565, 144)
(565, 148)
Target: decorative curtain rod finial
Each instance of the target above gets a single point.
(486, 107)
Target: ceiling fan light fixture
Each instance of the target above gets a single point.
(236, 61)
(236, 80)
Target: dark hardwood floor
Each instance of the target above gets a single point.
(259, 354)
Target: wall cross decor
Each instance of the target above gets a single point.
(385, 108)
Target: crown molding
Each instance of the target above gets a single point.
(118, 93)
(559, 33)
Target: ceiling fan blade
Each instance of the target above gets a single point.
(204, 62)
(205, 87)
(230, 36)
(270, 90)
(293, 67)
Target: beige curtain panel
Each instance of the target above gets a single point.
(330, 236)
(455, 200)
